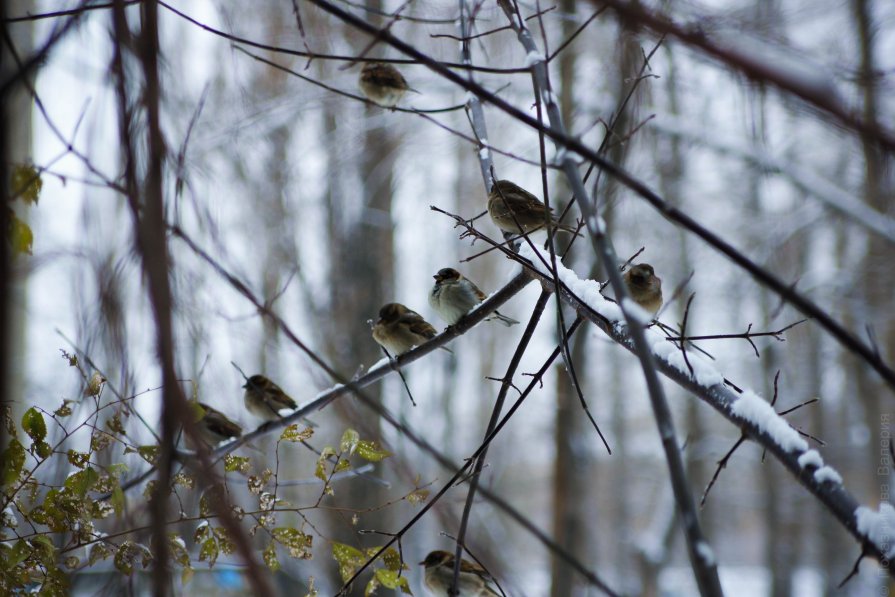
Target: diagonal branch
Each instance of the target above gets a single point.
(506, 382)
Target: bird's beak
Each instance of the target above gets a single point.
(245, 385)
(423, 563)
(437, 278)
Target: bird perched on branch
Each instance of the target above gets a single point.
(473, 581)
(399, 329)
(95, 384)
(644, 287)
(214, 426)
(515, 210)
(454, 295)
(383, 84)
(265, 399)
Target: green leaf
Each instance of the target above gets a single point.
(98, 551)
(115, 426)
(117, 500)
(42, 449)
(15, 555)
(100, 440)
(391, 580)
(186, 575)
(64, 410)
(349, 441)
(78, 459)
(44, 549)
(6, 414)
(82, 481)
(224, 543)
(33, 424)
(236, 463)
(13, 461)
(125, 556)
(209, 552)
(270, 557)
(418, 496)
(342, 465)
(202, 532)
(183, 480)
(149, 453)
(371, 451)
(298, 543)
(349, 559)
(178, 549)
(320, 469)
(26, 183)
(292, 434)
(20, 235)
(392, 560)
(212, 500)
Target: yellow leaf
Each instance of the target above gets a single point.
(26, 183)
(20, 235)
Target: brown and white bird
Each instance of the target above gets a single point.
(399, 329)
(644, 287)
(511, 207)
(265, 399)
(383, 83)
(473, 581)
(214, 426)
(455, 295)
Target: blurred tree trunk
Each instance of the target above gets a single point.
(570, 473)
(876, 273)
(778, 539)
(361, 257)
(572, 485)
(16, 140)
(629, 59)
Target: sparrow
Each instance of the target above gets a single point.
(644, 287)
(265, 399)
(473, 581)
(95, 384)
(453, 296)
(399, 329)
(383, 83)
(214, 426)
(507, 199)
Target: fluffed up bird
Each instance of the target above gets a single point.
(508, 203)
(644, 287)
(95, 384)
(383, 83)
(454, 295)
(399, 329)
(473, 581)
(265, 399)
(214, 426)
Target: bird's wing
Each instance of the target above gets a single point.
(281, 399)
(219, 424)
(418, 325)
(478, 292)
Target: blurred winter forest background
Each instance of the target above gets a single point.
(319, 204)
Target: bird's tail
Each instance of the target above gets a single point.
(507, 321)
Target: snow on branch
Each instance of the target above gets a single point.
(753, 415)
